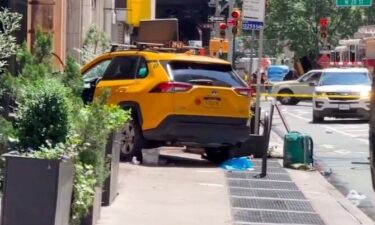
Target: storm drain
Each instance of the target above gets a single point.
(250, 175)
(272, 204)
(273, 169)
(265, 217)
(271, 163)
(262, 184)
(261, 193)
(272, 200)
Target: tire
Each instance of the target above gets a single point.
(216, 155)
(287, 100)
(131, 141)
(317, 119)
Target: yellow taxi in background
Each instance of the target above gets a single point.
(176, 99)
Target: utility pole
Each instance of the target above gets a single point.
(230, 35)
(257, 105)
(252, 41)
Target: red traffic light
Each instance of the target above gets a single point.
(323, 22)
(236, 14)
(222, 26)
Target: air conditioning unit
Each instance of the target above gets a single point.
(120, 14)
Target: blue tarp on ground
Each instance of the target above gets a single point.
(237, 164)
(277, 72)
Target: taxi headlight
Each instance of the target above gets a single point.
(320, 94)
(365, 94)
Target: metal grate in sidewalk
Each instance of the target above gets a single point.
(250, 176)
(275, 217)
(261, 193)
(262, 184)
(274, 200)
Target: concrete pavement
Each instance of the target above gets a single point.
(186, 191)
(189, 190)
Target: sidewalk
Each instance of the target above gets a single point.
(189, 190)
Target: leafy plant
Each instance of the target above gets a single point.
(93, 124)
(72, 77)
(9, 23)
(7, 132)
(43, 114)
(95, 42)
(84, 190)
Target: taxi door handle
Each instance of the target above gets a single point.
(122, 89)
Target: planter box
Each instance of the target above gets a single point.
(36, 191)
(94, 211)
(110, 184)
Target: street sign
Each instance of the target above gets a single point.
(252, 25)
(216, 19)
(253, 14)
(360, 3)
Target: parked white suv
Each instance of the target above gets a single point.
(301, 88)
(342, 93)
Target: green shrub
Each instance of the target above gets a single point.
(43, 114)
(93, 125)
(72, 77)
(84, 191)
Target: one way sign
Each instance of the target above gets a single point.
(216, 19)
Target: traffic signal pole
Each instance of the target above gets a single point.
(260, 55)
(230, 35)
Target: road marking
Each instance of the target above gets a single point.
(329, 128)
(211, 184)
(343, 152)
(328, 146)
(358, 130)
(299, 117)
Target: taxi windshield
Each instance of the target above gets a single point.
(353, 78)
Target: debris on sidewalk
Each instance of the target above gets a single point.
(301, 166)
(238, 164)
(355, 197)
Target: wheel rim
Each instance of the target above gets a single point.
(285, 99)
(128, 139)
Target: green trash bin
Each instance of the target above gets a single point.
(298, 148)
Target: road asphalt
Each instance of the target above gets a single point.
(188, 190)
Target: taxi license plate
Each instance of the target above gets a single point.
(344, 107)
(212, 102)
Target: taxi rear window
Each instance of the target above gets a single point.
(209, 73)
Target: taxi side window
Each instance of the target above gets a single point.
(315, 77)
(307, 77)
(96, 71)
(121, 68)
(142, 70)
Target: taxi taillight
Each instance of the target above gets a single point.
(245, 91)
(171, 87)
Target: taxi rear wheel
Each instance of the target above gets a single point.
(287, 100)
(131, 141)
(216, 155)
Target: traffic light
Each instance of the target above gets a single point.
(323, 32)
(223, 27)
(236, 17)
(323, 28)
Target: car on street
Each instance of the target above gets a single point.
(342, 93)
(176, 99)
(293, 91)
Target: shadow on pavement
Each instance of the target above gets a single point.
(342, 121)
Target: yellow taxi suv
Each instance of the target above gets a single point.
(176, 99)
